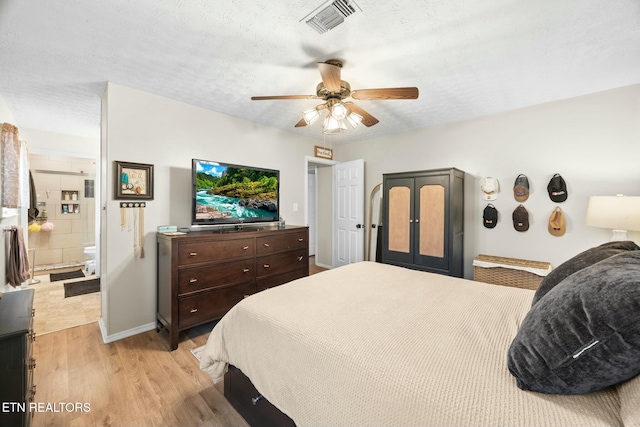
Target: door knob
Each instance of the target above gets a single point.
(359, 226)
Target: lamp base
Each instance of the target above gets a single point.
(619, 235)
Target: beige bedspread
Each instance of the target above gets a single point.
(376, 345)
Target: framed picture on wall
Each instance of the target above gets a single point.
(133, 181)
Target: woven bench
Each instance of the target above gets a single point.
(514, 272)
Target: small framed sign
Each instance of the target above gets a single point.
(325, 153)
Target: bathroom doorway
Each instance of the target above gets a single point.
(62, 240)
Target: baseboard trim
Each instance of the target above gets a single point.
(324, 265)
(124, 334)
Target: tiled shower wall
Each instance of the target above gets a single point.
(72, 232)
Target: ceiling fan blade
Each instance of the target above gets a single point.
(301, 123)
(386, 93)
(367, 119)
(264, 98)
(330, 73)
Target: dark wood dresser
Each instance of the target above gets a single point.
(202, 274)
(16, 357)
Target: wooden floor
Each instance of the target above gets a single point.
(135, 381)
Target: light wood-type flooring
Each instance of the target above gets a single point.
(135, 381)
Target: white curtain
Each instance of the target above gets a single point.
(15, 172)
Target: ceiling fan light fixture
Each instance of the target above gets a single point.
(310, 116)
(333, 125)
(339, 111)
(354, 120)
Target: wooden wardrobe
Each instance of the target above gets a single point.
(423, 220)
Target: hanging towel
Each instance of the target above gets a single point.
(18, 262)
(33, 200)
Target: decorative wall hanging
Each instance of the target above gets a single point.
(133, 181)
(323, 152)
(132, 219)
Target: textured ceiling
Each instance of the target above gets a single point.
(468, 58)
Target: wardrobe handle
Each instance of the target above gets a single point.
(300, 258)
(417, 220)
(301, 240)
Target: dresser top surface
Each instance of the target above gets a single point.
(231, 232)
(15, 312)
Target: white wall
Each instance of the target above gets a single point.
(62, 144)
(143, 128)
(592, 141)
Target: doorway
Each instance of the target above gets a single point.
(319, 209)
(62, 241)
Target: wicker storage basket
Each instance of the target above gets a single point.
(509, 272)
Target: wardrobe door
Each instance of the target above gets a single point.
(399, 219)
(431, 243)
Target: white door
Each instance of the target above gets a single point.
(311, 210)
(349, 213)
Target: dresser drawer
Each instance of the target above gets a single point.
(279, 279)
(198, 309)
(214, 250)
(281, 242)
(281, 263)
(230, 273)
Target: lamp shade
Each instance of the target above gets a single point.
(310, 116)
(614, 212)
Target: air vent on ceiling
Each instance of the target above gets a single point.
(327, 18)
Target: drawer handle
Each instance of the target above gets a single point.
(266, 266)
(301, 240)
(300, 258)
(193, 253)
(246, 270)
(266, 245)
(244, 248)
(256, 399)
(194, 310)
(194, 280)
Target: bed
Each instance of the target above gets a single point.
(370, 344)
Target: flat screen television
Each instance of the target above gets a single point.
(224, 193)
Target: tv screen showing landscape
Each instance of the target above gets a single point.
(226, 193)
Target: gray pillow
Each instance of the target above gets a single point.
(584, 335)
(580, 261)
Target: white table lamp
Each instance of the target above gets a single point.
(618, 213)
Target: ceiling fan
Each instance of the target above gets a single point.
(333, 91)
